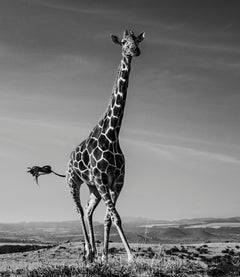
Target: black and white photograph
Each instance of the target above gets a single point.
(120, 138)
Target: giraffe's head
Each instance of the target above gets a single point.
(129, 43)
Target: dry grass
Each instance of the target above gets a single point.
(66, 260)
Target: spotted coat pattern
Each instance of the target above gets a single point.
(98, 161)
(100, 156)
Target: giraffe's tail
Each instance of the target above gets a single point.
(37, 171)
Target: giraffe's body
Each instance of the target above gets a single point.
(100, 154)
(99, 162)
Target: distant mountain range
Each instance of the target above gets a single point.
(138, 230)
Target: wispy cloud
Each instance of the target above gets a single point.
(218, 157)
(177, 153)
(75, 7)
(210, 46)
(66, 6)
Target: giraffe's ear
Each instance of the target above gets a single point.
(141, 37)
(116, 40)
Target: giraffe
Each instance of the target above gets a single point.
(98, 161)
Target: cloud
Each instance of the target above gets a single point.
(211, 46)
(217, 157)
(201, 155)
(92, 8)
(178, 153)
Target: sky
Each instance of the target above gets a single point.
(180, 132)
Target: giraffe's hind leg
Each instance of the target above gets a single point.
(75, 183)
(94, 200)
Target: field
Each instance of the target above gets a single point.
(66, 259)
(196, 248)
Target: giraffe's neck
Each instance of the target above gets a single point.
(112, 119)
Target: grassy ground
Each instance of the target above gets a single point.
(199, 260)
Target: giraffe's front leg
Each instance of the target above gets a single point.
(107, 226)
(115, 217)
(118, 223)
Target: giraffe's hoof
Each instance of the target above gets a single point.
(131, 259)
(104, 258)
(90, 257)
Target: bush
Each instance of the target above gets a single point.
(21, 248)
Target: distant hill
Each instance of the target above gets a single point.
(142, 220)
(141, 230)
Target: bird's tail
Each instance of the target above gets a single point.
(37, 171)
